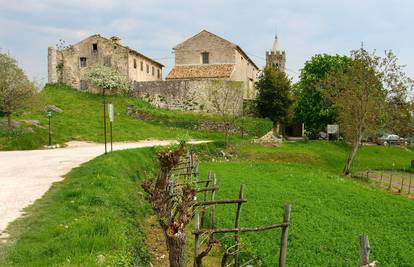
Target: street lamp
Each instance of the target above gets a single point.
(49, 116)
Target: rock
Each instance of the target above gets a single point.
(14, 124)
(100, 259)
(32, 122)
(269, 139)
(54, 109)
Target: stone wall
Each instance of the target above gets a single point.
(191, 95)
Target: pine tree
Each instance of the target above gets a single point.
(274, 98)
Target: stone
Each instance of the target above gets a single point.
(31, 122)
(269, 139)
(54, 109)
(100, 259)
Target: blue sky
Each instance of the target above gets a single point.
(153, 27)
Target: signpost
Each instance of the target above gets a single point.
(49, 116)
(111, 119)
(332, 129)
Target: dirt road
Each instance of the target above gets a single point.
(26, 175)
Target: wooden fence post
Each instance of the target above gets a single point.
(237, 226)
(196, 237)
(409, 186)
(402, 184)
(381, 178)
(284, 236)
(364, 250)
(213, 196)
(390, 185)
(203, 209)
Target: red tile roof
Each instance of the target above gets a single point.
(201, 71)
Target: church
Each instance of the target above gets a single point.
(276, 57)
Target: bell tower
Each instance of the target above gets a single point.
(276, 57)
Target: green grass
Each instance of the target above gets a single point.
(97, 210)
(82, 120)
(329, 211)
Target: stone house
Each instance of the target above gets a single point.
(70, 64)
(208, 56)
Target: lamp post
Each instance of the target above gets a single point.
(111, 119)
(49, 116)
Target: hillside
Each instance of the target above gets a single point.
(99, 209)
(81, 119)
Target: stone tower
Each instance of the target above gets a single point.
(276, 57)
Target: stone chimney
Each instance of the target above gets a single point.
(116, 40)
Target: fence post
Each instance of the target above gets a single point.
(236, 226)
(402, 184)
(381, 179)
(203, 209)
(390, 185)
(196, 237)
(409, 186)
(364, 250)
(213, 197)
(284, 236)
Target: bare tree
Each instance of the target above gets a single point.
(15, 87)
(173, 206)
(359, 94)
(227, 100)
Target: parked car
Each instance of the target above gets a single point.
(392, 139)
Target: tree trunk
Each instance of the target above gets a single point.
(176, 249)
(351, 156)
(9, 120)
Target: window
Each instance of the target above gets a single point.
(147, 68)
(82, 62)
(204, 57)
(158, 73)
(94, 47)
(142, 66)
(153, 71)
(107, 61)
(83, 85)
(135, 63)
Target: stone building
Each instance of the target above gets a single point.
(70, 64)
(276, 57)
(208, 56)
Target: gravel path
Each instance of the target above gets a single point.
(26, 175)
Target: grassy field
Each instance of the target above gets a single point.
(97, 210)
(82, 120)
(329, 211)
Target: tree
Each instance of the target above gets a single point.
(172, 205)
(313, 108)
(108, 79)
(274, 95)
(226, 98)
(15, 88)
(359, 93)
(398, 118)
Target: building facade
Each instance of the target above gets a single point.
(70, 64)
(276, 58)
(208, 56)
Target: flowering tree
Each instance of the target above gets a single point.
(108, 79)
(15, 87)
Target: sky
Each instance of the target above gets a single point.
(154, 27)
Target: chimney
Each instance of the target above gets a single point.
(116, 40)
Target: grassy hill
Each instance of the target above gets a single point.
(99, 209)
(329, 211)
(82, 120)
